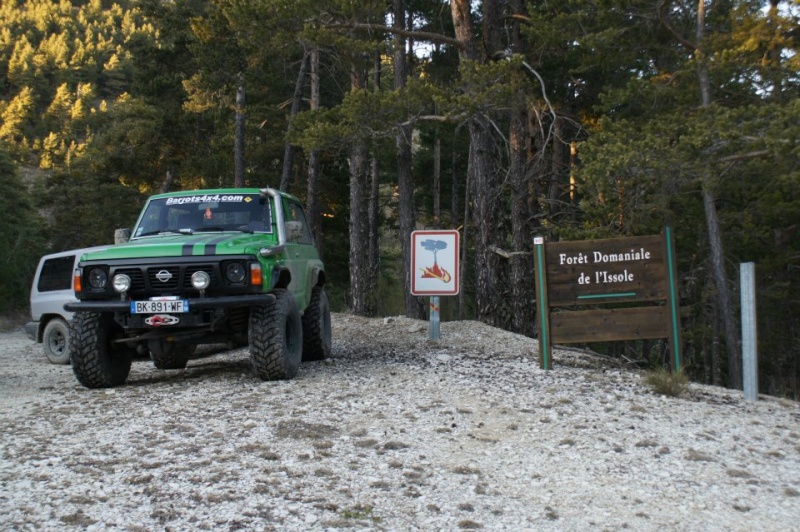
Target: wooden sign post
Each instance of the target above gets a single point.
(638, 271)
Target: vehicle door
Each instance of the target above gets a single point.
(301, 254)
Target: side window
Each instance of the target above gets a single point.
(56, 274)
(297, 230)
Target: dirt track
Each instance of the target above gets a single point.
(394, 432)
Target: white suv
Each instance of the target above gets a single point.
(52, 287)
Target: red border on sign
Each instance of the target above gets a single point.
(414, 291)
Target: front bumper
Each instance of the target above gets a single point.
(123, 307)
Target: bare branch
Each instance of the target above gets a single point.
(509, 254)
(662, 16)
(434, 118)
(745, 156)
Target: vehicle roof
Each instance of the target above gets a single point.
(76, 251)
(209, 191)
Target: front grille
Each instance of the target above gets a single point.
(164, 277)
(173, 278)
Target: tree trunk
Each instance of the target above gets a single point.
(556, 170)
(373, 213)
(361, 291)
(437, 181)
(725, 301)
(374, 205)
(535, 164)
(522, 289)
(716, 360)
(489, 296)
(492, 24)
(465, 233)
(238, 133)
(168, 179)
(288, 149)
(455, 221)
(405, 180)
(723, 292)
(313, 194)
(313, 201)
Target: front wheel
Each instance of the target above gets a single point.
(98, 361)
(317, 327)
(55, 340)
(276, 338)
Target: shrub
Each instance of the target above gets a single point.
(666, 382)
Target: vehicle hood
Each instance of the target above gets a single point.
(199, 244)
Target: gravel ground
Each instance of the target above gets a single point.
(394, 432)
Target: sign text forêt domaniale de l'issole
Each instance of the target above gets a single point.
(639, 271)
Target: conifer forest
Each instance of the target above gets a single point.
(502, 119)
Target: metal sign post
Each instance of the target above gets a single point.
(747, 280)
(434, 269)
(434, 318)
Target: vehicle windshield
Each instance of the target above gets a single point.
(211, 212)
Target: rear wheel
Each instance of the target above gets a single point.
(276, 338)
(317, 327)
(55, 340)
(170, 355)
(98, 361)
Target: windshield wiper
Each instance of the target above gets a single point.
(167, 232)
(241, 229)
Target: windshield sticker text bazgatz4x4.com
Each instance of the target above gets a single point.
(208, 198)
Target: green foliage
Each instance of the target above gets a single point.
(61, 60)
(21, 236)
(105, 203)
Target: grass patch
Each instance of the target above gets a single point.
(360, 512)
(297, 429)
(669, 383)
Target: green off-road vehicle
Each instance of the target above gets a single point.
(233, 266)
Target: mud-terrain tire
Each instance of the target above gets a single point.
(317, 327)
(276, 338)
(170, 355)
(97, 361)
(55, 341)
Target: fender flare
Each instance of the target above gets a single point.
(317, 277)
(281, 277)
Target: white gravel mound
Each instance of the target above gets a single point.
(394, 432)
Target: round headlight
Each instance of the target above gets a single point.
(201, 280)
(122, 283)
(235, 272)
(97, 278)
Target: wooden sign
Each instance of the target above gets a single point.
(638, 271)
